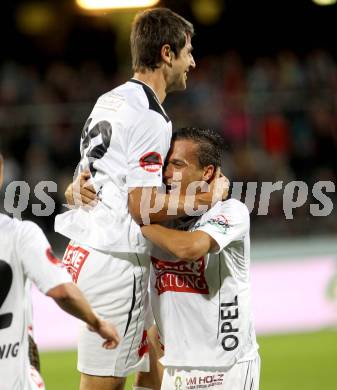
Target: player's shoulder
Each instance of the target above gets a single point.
(134, 100)
(30, 226)
(5, 221)
(9, 225)
(14, 230)
(127, 95)
(236, 205)
(113, 100)
(27, 230)
(234, 208)
(143, 97)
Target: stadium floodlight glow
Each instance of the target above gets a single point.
(94, 5)
(325, 2)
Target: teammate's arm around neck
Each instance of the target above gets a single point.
(148, 205)
(188, 246)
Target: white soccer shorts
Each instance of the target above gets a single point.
(242, 376)
(115, 285)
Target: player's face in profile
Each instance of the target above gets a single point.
(183, 159)
(181, 65)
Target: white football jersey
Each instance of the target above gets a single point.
(24, 254)
(202, 308)
(124, 144)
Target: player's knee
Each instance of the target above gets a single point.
(146, 381)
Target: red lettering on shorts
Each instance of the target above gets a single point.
(181, 276)
(74, 259)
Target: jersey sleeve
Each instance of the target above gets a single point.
(148, 145)
(230, 223)
(39, 263)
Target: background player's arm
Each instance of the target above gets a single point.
(46, 271)
(71, 300)
(184, 245)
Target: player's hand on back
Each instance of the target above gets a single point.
(108, 332)
(81, 192)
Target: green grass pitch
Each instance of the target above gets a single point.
(289, 362)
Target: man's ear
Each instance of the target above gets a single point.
(209, 172)
(1, 170)
(166, 54)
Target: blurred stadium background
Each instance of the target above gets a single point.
(266, 79)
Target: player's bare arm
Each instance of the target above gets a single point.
(81, 192)
(218, 190)
(71, 300)
(188, 246)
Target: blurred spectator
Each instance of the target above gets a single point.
(278, 117)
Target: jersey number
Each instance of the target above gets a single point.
(6, 279)
(98, 138)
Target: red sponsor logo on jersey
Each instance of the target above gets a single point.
(144, 345)
(74, 259)
(181, 276)
(151, 162)
(52, 258)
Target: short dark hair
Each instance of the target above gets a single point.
(151, 29)
(209, 141)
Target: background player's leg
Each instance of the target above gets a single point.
(90, 382)
(152, 380)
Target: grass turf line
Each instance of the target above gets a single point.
(289, 362)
